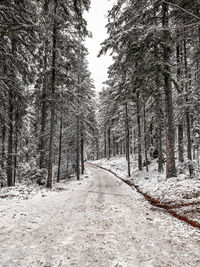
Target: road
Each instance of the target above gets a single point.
(99, 223)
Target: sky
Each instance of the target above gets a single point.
(96, 19)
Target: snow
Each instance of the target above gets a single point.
(176, 190)
(98, 221)
(21, 191)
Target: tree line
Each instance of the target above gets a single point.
(47, 112)
(149, 106)
(150, 103)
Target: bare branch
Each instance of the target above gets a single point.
(184, 10)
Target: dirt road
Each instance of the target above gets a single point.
(99, 223)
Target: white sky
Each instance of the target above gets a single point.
(97, 20)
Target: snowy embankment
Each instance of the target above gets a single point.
(180, 193)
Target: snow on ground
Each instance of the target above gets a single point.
(176, 190)
(31, 217)
(21, 191)
(27, 191)
(97, 222)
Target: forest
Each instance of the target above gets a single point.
(51, 118)
(110, 176)
(153, 85)
(47, 97)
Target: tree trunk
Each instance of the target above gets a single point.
(187, 111)
(82, 150)
(53, 82)
(10, 139)
(127, 140)
(3, 141)
(134, 142)
(113, 146)
(78, 148)
(109, 144)
(27, 151)
(105, 145)
(180, 143)
(124, 148)
(145, 138)
(117, 148)
(180, 125)
(169, 117)
(20, 159)
(131, 141)
(10, 124)
(159, 134)
(44, 98)
(43, 113)
(16, 147)
(139, 134)
(60, 149)
(121, 148)
(98, 154)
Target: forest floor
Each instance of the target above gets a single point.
(98, 222)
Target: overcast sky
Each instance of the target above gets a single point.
(96, 19)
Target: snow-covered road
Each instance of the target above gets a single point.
(100, 223)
